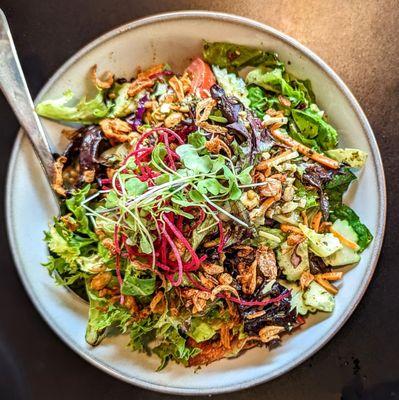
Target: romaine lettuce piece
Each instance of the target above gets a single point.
(313, 126)
(273, 80)
(85, 111)
(234, 56)
(200, 330)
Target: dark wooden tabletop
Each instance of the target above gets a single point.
(359, 40)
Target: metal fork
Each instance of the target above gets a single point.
(15, 89)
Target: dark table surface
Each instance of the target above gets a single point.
(358, 39)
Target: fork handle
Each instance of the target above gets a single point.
(15, 89)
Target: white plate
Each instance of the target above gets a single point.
(175, 38)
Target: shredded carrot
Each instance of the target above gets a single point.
(326, 285)
(316, 221)
(320, 158)
(344, 240)
(151, 71)
(332, 276)
(304, 217)
(290, 229)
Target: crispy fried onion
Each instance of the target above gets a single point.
(197, 298)
(269, 333)
(104, 83)
(215, 350)
(69, 222)
(210, 351)
(158, 303)
(203, 109)
(247, 276)
(212, 268)
(186, 81)
(215, 145)
(70, 134)
(306, 279)
(177, 87)
(138, 85)
(206, 126)
(208, 281)
(267, 262)
(202, 113)
(116, 129)
(223, 288)
(225, 336)
(271, 187)
(58, 180)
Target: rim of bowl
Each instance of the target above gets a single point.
(381, 187)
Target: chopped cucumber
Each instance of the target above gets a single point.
(345, 255)
(322, 244)
(284, 256)
(318, 297)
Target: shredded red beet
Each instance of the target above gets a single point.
(260, 303)
(180, 223)
(178, 259)
(185, 242)
(169, 132)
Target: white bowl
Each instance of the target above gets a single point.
(175, 38)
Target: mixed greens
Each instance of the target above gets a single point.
(202, 213)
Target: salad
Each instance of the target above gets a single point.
(202, 213)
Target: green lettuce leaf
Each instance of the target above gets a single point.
(305, 86)
(273, 81)
(74, 204)
(135, 187)
(313, 126)
(260, 102)
(173, 344)
(296, 135)
(136, 284)
(142, 332)
(123, 104)
(311, 196)
(99, 320)
(84, 111)
(336, 188)
(200, 330)
(234, 56)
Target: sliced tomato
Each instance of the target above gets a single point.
(202, 77)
